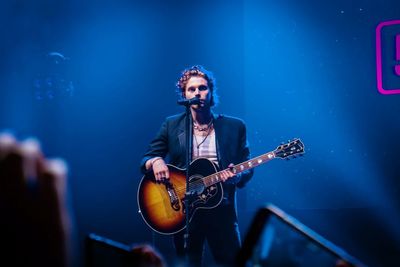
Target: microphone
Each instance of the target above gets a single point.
(188, 102)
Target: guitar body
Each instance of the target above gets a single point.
(162, 204)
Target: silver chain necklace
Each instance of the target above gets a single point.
(202, 129)
(209, 130)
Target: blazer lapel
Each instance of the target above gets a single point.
(182, 134)
(218, 137)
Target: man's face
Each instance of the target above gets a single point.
(198, 86)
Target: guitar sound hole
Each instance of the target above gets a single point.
(196, 185)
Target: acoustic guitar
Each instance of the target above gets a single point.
(162, 203)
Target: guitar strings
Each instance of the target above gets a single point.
(192, 185)
(200, 181)
(195, 184)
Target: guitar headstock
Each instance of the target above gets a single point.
(290, 149)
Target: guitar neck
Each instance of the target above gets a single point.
(247, 165)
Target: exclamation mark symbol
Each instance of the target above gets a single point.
(397, 67)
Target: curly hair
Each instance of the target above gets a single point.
(197, 71)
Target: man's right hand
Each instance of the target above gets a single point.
(160, 169)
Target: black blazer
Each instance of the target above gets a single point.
(231, 142)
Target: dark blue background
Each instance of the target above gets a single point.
(289, 69)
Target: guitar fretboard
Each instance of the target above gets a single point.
(247, 165)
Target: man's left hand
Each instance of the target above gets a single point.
(227, 173)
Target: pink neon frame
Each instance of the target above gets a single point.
(379, 58)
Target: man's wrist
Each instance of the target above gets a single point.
(151, 161)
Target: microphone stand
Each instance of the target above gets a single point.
(189, 144)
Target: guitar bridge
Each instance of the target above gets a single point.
(173, 197)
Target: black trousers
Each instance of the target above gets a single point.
(220, 228)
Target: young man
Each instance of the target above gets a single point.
(218, 138)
